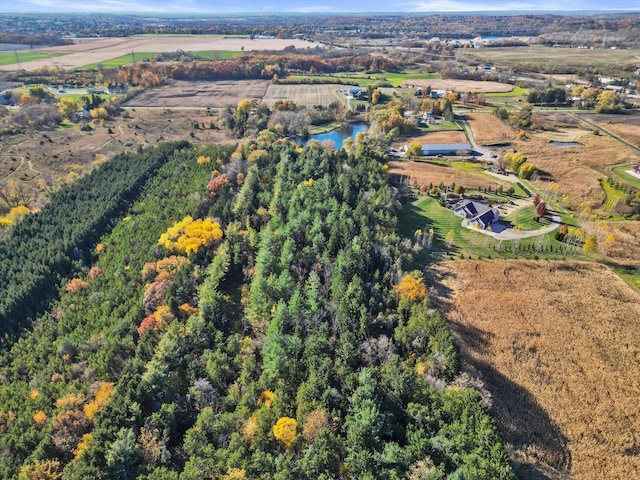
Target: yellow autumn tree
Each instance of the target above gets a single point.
(101, 398)
(84, 445)
(188, 235)
(285, 431)
(590, 244)
(412, 287)
(202, 160)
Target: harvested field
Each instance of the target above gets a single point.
(461, 86)
(426, 173)
(87, 51)
(489, 129)
(308, 95)
(562, 57)
(451, 136)
(557, 347)
(200, 94)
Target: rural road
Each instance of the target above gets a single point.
(485, 153)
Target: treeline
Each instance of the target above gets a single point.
(33, 39)
(297, 347)
(44, 247)
(271, 66)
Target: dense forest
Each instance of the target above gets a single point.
(251, 314)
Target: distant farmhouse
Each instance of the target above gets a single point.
(477, 212)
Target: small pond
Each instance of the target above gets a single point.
(339, 135)
(566, 144)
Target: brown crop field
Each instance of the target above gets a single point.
(462, 86)
(488, 128)
(555, 56)
(200, 94)
(431, 138)
(422, 173)
(308, 95)
(89, 51)
(556, 346)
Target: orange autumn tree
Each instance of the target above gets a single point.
(188, 235)
(412, 287)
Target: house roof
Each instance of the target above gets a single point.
(449, 147)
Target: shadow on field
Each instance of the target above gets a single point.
(536, 445)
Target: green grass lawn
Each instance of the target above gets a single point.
(9, 58)
(217, 54)
(622, 174)
(439, 127)
(363, 79)
(516, 92)
(426, 212)
(78, 97)
(613, 195)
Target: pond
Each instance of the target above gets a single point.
(566, 144)
(337, 136)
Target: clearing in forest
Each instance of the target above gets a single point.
(557, 346)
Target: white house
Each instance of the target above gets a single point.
(477, 212)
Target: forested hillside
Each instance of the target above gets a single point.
(249, 316)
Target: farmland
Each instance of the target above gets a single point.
(200, 94)
(462, 86)
(451, 136)
(307, 95)
(9, 58)
(559, 359)
(560, 57)
(395, 79)
(423, 173)
(94, 51)
(488, 129)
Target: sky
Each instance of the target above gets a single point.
(312, 6)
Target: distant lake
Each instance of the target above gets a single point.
(337, 136)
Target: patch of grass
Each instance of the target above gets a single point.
(120, 61)
(623, 175)
(613, 195)
(78, 97)
(439, 127)
(217, 54)
(9, 58)
(362, 80)
(516, 92)
(525, 218)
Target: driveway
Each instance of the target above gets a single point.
(513, 234)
